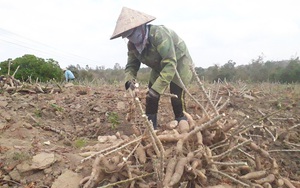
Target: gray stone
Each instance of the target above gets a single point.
(48, 170)
(39, 162)
(6, 115)
(15, 175)
(27, 125)
(7, 178)
(43, 160)
(68, 179)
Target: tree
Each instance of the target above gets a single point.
(199, 71)
(257, 71)
(292, 72)
(227, 71)
(117, 66)
(33, 68)
(212, 73)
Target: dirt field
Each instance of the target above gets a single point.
(44, 137)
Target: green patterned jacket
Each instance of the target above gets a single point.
(164, 52)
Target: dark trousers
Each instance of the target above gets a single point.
(178, 104)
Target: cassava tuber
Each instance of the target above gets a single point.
(268, 179)
(183, 126)
(169, 171)
(179, 169)
(141, 154)
(254, 175)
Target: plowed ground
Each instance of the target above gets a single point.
(63, 123)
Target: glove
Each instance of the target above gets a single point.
(130, 84)
(152, 94)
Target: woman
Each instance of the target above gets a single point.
(163, 51)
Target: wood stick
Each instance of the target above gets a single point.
(220, 156)
(126, 181)
(8, 72)
(15, 71)
(229, 177)
(192, 67)
(230, 164)
(115, 146)
(155, 140)
(186, 90)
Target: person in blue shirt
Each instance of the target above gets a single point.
(68, 75)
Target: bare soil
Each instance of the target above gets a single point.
(58, 126)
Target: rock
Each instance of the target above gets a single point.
(3, 103)
(39, 162)
(24, 167)
(48, 170)
(97, 109)
(47, 143)
(43, 160)
(67, 143)
(6, 115)
(27, 125)
(56, 172)
(68, 179)
(6, 178)
(15, 175)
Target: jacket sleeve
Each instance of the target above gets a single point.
(133, 64)
(163, 42)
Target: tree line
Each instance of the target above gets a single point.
(285, 71)
(30, 67)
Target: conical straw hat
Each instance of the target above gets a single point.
(130, 19)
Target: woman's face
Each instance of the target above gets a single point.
(136, 36)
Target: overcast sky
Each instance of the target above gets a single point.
(77, 31)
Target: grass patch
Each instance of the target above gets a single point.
(18, 156)
(38, 112)
(114, 119)
(79, 143)
(57, 108)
